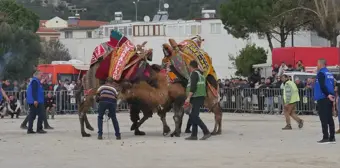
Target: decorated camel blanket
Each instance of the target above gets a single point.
(187, 51)
(112, 56)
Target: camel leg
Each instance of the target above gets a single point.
(82, 122)
(87, 123)
(146, 115)
(83, 108)
(178, 117)
(216, 109)
(134, 117)
(166, 128)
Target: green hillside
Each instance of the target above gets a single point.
(104, 9)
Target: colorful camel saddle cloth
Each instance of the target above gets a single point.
(104, 49)
(139, 70)
(120, 59)
(185, 55)
(191, 51)
(100, 52)
(190, 47)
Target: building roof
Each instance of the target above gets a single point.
(78, 28)
(199, 19)
(81, 25)
(90, 23)
(45, 30)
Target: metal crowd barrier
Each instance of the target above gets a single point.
(248, 100)
(65, 101)
(269, 101)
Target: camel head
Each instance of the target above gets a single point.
(142, 52)
(198, 40)
(140, 48)
(167, 50)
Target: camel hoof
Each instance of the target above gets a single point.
(133, 127)
(174, 134)
(84, 134)
(166, 131)
(90, 128)
(216, 133)
(139, 133)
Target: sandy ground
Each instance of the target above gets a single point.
(248, 141)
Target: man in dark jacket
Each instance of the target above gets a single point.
(50, 105)
(24, 123)
(324, 95)
(35, 100)
(14, 106)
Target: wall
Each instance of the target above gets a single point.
(77, 34)
(48, 37)
(56, 22)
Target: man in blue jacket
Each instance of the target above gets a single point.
(324, 95)
(35, 100)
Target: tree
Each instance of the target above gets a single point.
(248, 56)
(19, 15)
(325, 16)
(19, 52)
(104, 9)
(53, 51)
(264, 17)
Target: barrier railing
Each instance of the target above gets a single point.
(232, 100)
(264, 100)
(65, 102)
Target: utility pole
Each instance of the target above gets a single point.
(136, 7)
(160, 2)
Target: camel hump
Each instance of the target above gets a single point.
(173, 43)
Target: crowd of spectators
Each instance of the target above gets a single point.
(238, 93)
(62, 93)
(242, 94)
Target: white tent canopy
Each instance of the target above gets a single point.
(264, 65)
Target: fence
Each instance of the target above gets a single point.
(264, 100)
(232, 100)
(65, 101)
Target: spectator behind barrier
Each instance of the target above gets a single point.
(14, 106)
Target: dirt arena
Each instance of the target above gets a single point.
(248, 141)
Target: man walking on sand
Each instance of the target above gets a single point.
(290, 98)
(324, 94)
(35, 100)
(196, 93)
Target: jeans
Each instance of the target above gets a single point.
(36, 111)
(51, 111)
(197, 103)
(103, 106)
(269, 104)
(325, 107)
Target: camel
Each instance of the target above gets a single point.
(176, 59)
(134, 73)
(176, 89)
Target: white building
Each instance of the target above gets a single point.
(217, 42)
(51, 29)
